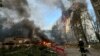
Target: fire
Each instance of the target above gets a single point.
(48, 44)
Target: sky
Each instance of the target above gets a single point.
(45, 16)
(91, 10)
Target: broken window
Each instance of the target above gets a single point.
(1, 3)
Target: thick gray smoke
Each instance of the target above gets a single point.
(14, 19)
(20, 6)
(23, 28)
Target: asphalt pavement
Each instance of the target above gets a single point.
(75, 52)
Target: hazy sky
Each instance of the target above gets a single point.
(91, 10)
(46, 16)
(43, 15)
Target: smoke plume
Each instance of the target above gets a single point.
(14, 19)
(20, 6)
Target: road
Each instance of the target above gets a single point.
(75, 52)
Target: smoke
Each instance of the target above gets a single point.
(20, 6)
(13, 11)
(62, 4)
(14, 19)
(23, 28)
(54, 3)
(37, 12)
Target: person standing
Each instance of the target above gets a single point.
(82, 47)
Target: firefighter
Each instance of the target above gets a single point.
(82, 47)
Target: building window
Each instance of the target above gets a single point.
(99, 12)
(1, 3)
(95, 1)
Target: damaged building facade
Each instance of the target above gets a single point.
(96, 6)
(76, 23)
